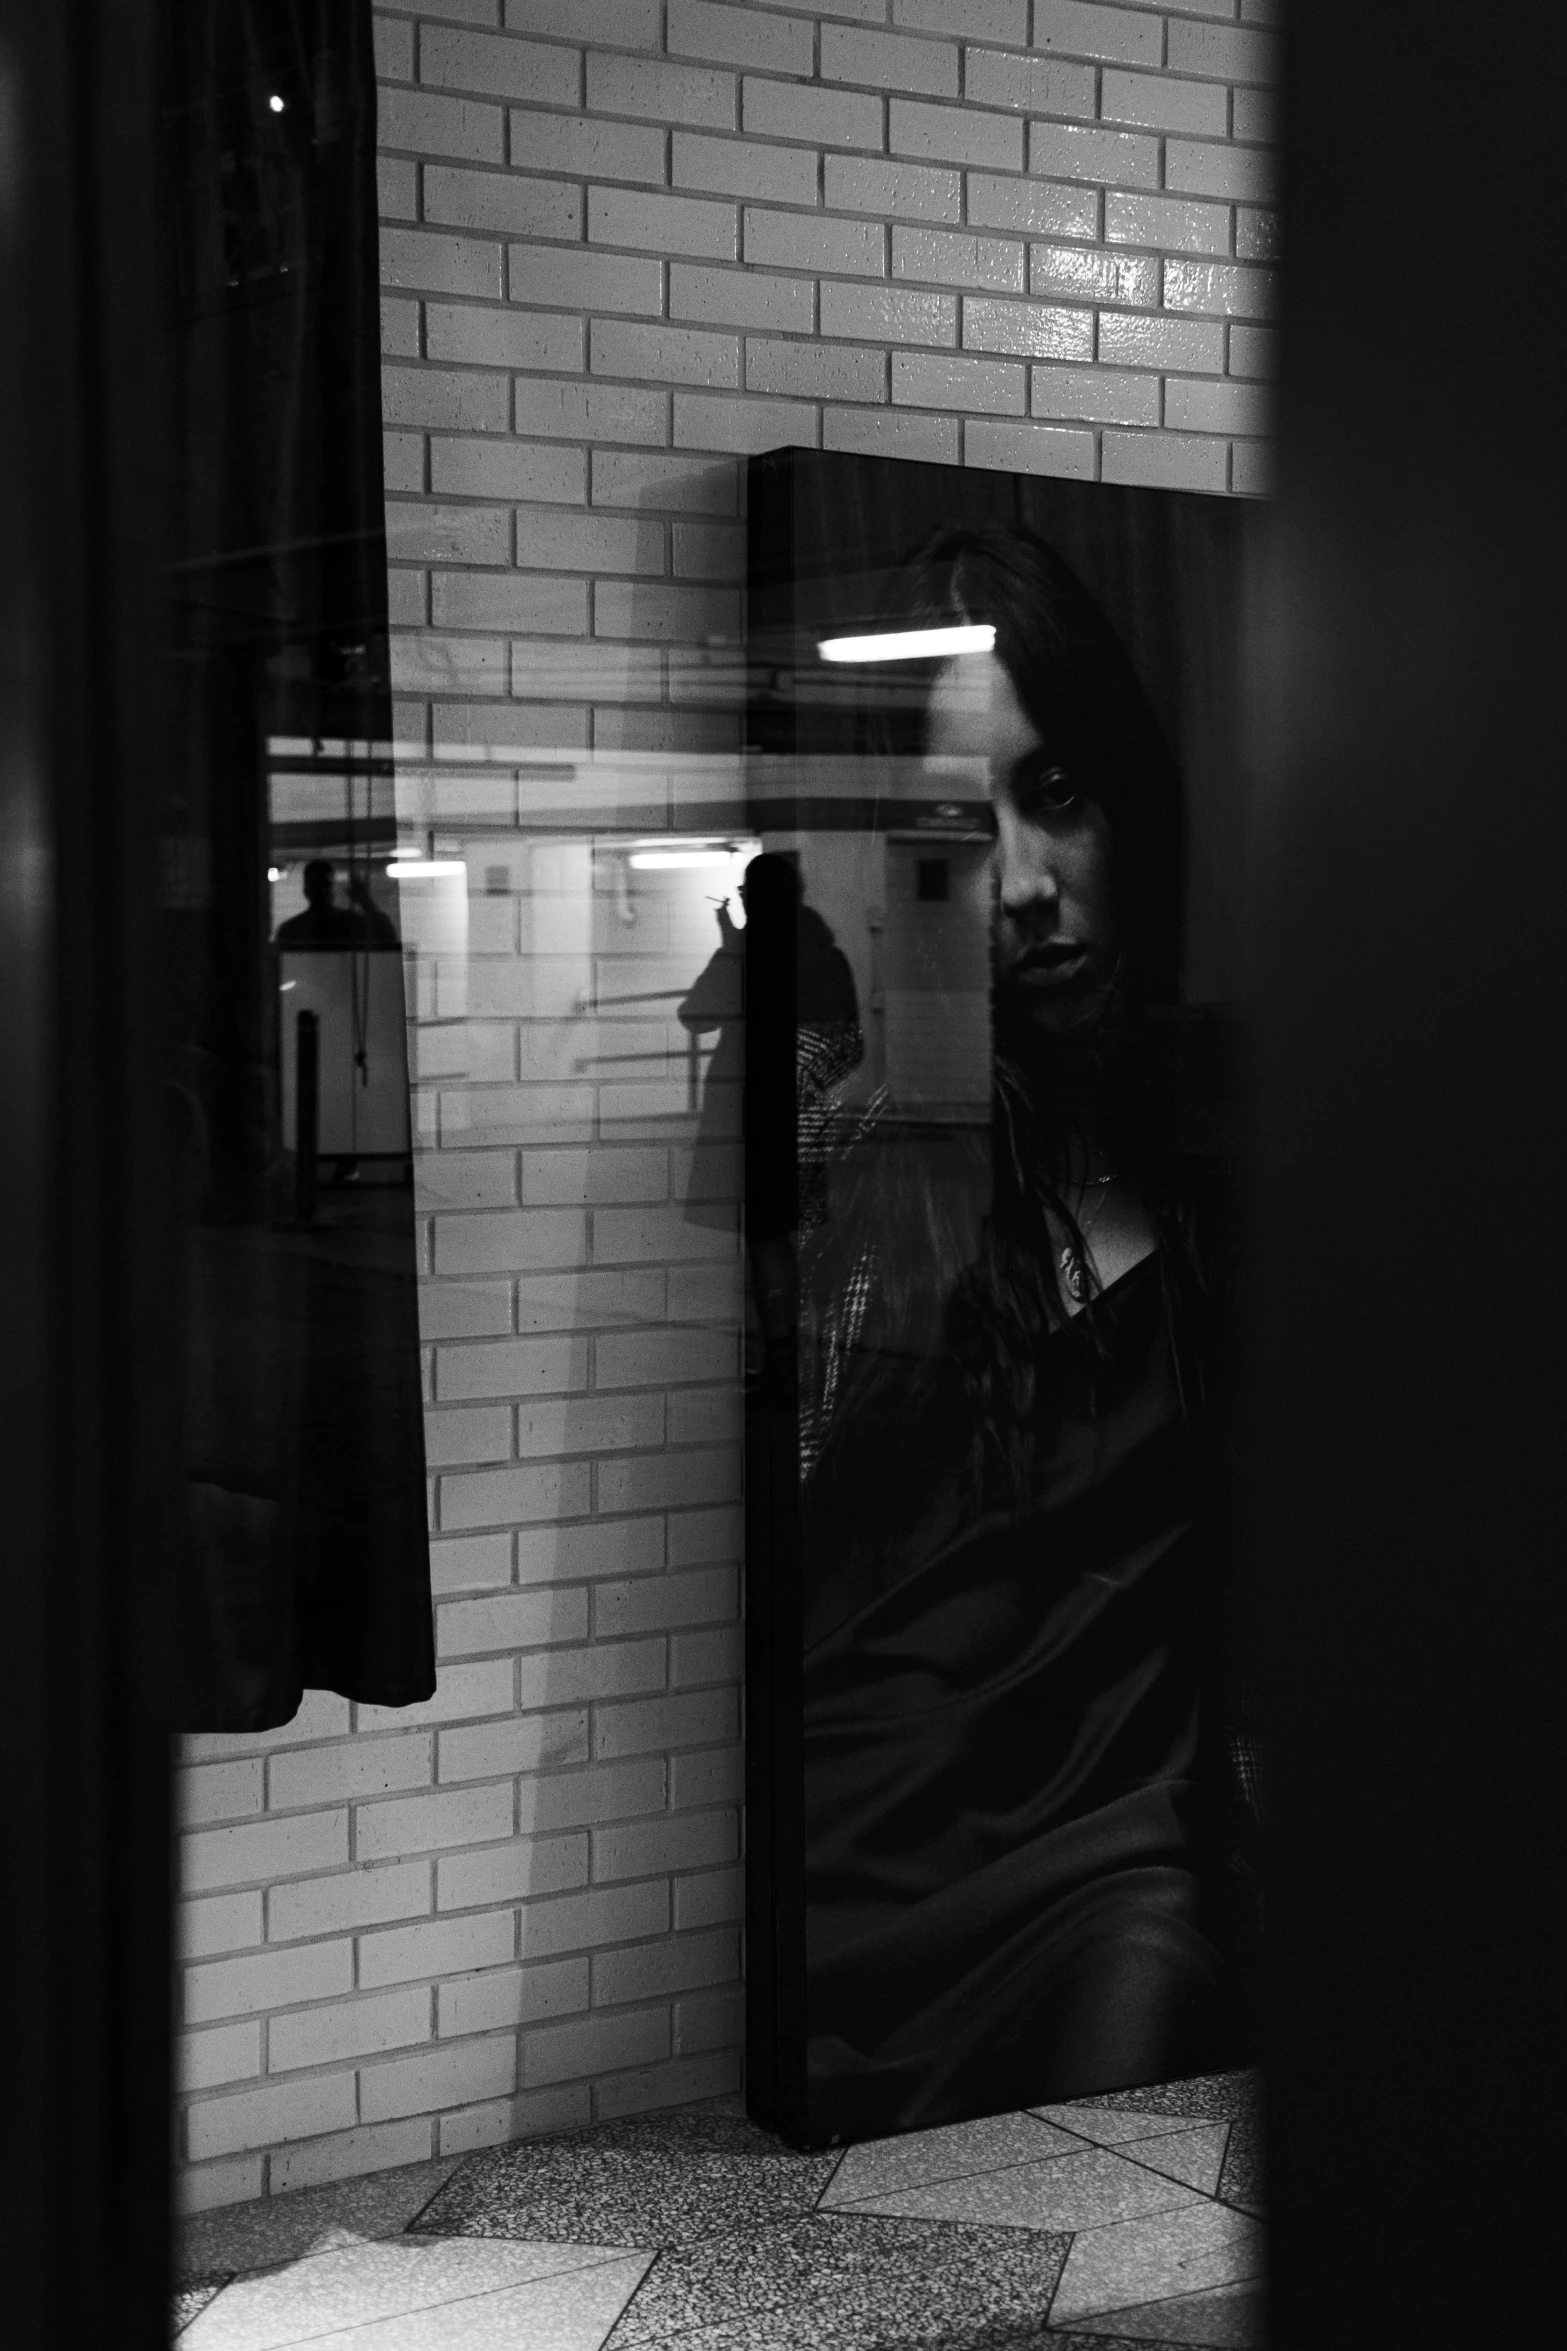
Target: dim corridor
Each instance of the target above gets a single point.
(1127, 2219)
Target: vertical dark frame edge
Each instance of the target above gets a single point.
(774, 1900)
(86, 1405)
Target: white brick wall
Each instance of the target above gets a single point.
(625, 242)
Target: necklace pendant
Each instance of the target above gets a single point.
(1072, 1276)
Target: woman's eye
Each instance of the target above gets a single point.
(1044, 791)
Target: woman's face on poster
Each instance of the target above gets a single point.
(1055, 934)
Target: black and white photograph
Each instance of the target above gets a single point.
(996, 1308)
(781, 924)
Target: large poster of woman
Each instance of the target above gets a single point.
(1002, 1798)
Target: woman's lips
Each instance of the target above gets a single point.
(1044, 967)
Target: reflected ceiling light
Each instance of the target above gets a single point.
(274, 873)
(423, 869)
(910, 644)
(668, 859)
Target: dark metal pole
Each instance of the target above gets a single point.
(307, 1116)
(1408, 1273)
(89, 1395)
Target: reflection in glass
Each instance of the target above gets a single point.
(303, 1549)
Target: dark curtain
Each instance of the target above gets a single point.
(305, 1556)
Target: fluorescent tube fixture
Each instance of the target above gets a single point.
(911, 644)
(666, 860)
(423, 869)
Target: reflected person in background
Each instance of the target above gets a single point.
(324, 923)
(801, 1037)
(1019, 1825)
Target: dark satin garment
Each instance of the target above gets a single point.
(1000, 1759)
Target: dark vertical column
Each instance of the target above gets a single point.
(307, 1116)
(85, 1407)
(774, 1727)
(1410, 1346)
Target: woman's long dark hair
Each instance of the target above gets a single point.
(998, 1295)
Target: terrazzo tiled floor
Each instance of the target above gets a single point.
(1132, 2220)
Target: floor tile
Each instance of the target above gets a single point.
(1197, 2157)
(1232, 2318)
(1210, 2097)
(1166, 2254)
(333, 2294)
(1083, 2191)
(657, 2179)
(846, 2281)
(190, 2299)
(310, 2220)
(1072, 2339)
(1128, 2218)
(1107, 2126)
(911, 2330)
(573, 2311)
(878, 2165)
(1241, 2181)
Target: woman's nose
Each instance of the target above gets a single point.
(1026, 875)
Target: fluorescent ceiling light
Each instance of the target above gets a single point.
(910, 644)
(423, 869)
(667, 859)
